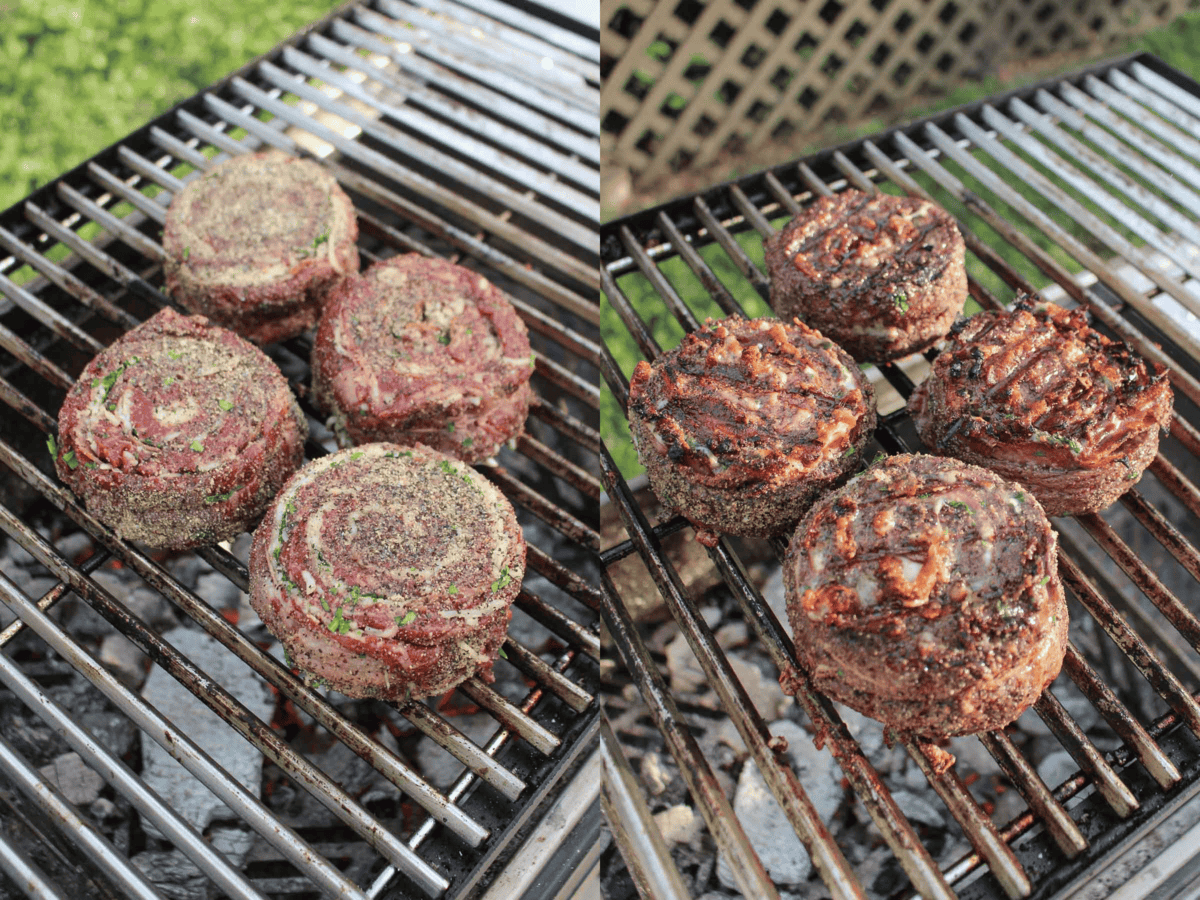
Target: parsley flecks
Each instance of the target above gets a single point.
(168, 381)
(1039, 452)
(849, 450)
(175, 354)
(533, 360)
(467, 442)
(901, 301)
(924, 496)
(92, 465)
(197, 446)
(110, 379)
(339, 625)
(452, 590)
(70, 460)
(503, 655)
(356, 455)
(409, 618)
(444, 338)
(221, 498)
(321, 238)
(226, 405)
(1044, 580)
(1020, 495)
(503, 581)
(187, 251)
(958, 504)
(879, 457)
(1006, 610)
(447, 467)
(52, 446)
(450, 428)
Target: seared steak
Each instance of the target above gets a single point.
(746, 421)
(883, 276)
(1037, 396)
(925, 593)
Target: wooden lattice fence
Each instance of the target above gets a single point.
(688, 82)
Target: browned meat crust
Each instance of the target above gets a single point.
(179, 434)
(925, 593)
(388, 571)
(1039, 397)
(257, 242)
(746, 421)
(883, 276)
(420, 349)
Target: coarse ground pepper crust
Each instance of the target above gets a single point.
(925, 593)
(883, 276)
(257, 242)
(1039, 397)
(422, 350)
(388, 571)
(746, 421)
(179, 434)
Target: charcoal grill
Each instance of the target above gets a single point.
(460, 129)
(1112, 149)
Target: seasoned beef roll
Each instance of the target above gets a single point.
(388, 571)
(257, 242)
(1038, 397)
(925, 593)
(422, 350)
(883, 276)
(746, 421)
(179, 434)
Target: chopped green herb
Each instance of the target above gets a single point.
(354, 321)
(321, 238)
(1006, 610)
(958, 504)
(447, 467)
(1020, 495)
(92, 465)
(110, 379)
(841, 673)
(339, 625)
(175, 354)
(503, 655)
(825, 345)
(197, 446)
(901, 301)
(112, 407)
(452, 590)
(356, 455)
(1044, 580)
(168, 381)
(450, 428)
(924, 496)
(849, 451)
(467, 442)
(1039, 452)
(221, 498)
(533, 360)
(226, 405)
(52, 446)
(187, 251)
(325, 604)
(470, 331)
(503, 581)
(70, 460)
(409, 617)
(444, 338)
(878, 457)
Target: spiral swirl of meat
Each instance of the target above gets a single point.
(925, 593)
(743, 423)
(1039, 397)
(179, 433)
(883, 276)
(257, 242)
(388, 571)
(420, 349)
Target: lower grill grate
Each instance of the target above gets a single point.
(1083, 187)
(457, 132)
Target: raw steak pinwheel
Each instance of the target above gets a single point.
(422, 350)
(256, 243)
(1038, 397)
(179, 434)
(746, 421)
(388, 571)
(925, 593)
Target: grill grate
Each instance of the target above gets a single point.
(462, 129)
(1012, 170)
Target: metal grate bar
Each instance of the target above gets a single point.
(579, 478)
(112, 224)
(699, 267)
(51, 318)
(512, 716)
(38, 363)
(128, 193)
(558, 623)
(545, 510)
(25, 873)
(544, 674)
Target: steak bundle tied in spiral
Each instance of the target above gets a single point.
(257, 242)
(179, 433)
(388, 571)
(883, 276)
(1039, 397)
(422, 350)
(925, 593)
(746, 421)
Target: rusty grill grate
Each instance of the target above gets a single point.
(462, 129)
(1093, 179)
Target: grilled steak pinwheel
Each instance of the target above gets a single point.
(1039, 397)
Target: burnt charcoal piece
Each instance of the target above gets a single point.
(746, 421)
(388, 571)
(925, 593)
(179, 433)
(256, 243)
(1038, 397)
(883, 276)
(422, 350)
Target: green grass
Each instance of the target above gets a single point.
(1174, 45)
(75, 76)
